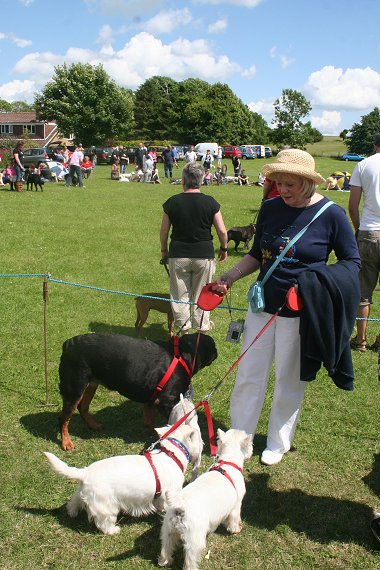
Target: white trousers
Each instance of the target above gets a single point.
(281, 342)
(187, 278)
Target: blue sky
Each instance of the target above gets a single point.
(329, 50)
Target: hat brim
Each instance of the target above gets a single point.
(271, 170)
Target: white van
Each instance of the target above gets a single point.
(259, 149)
(201, 149)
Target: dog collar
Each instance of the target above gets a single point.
(180, 446)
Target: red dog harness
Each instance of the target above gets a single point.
(218, 467)
(177, 358)
(163, 449)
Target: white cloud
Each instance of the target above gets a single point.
(12, 38)
(143, 56)
(250, 72)
(272, 52)
(26, 2)
(264, 107)
(286, 61)
(18, 90)
(328, 123)
(243, 3)
(353, 89)
(166, 21)
(218, 26)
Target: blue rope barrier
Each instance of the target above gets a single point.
(49, 277)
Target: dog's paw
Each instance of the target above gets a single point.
(67, 444)
(163, 561)
(112, 530)
(234, 528)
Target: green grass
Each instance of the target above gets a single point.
(312, 511)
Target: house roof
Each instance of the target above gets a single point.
(20, 118)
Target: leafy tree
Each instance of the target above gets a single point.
(362, 134)
(156, 108)
(83, 100)
(316, 134)
(5, 107)
(21, 107)
(289, 129)
(343, 134)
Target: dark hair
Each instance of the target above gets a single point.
(377, 139)
(192, 175)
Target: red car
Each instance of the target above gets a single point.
(230, 151)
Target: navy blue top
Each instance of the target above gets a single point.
(277, 224)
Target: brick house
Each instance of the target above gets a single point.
(14, 125)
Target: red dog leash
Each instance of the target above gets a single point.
(148, 456)
(177, 359)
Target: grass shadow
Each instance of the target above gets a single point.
(154, 331)
(124, 421)
(322, 519)
(372, 480)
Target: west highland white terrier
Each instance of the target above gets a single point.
(133, 484)
(212, 499)
(184, 406)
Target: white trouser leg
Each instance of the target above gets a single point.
(281, 340)
(253, 372)
(289, 389)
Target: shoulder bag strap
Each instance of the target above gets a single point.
(293, 241)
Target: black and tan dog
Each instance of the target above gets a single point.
(241, 233)
(133, 367)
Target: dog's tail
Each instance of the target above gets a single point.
(63, 469)
(177, 507)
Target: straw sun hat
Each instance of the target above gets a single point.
(293, 161)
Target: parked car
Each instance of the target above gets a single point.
(230, 151)
(103, 154)
(268, 152)
(352, 156)
(35, 155)
(247, 152)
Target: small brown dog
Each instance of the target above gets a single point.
(241, 233)
(145, 304)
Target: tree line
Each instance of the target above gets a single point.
(86, 102)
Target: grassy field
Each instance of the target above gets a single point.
(311, 511)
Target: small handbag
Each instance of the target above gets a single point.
(256, 297)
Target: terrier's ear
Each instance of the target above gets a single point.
(161, 430)
(220, 435)
(247, 445)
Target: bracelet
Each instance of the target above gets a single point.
(224, 249)
(239, 271)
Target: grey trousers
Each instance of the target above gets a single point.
(187, 277)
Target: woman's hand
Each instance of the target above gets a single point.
(222, 256)
(223, 283)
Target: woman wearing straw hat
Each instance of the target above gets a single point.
(324, 229)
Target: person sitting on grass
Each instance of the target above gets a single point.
(243, 179)
(207, 178)
(87, 167)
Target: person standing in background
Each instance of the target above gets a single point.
(365, 181)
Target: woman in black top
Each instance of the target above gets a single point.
(18, 163)
(191, 215)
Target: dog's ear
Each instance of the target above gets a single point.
(220, 436)
(246, 445)
(161, 430)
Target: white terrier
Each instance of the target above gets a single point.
(133, 484)
(184, 406)
(214, 498)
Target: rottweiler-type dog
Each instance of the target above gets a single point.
(133, 367)
(241, 233)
